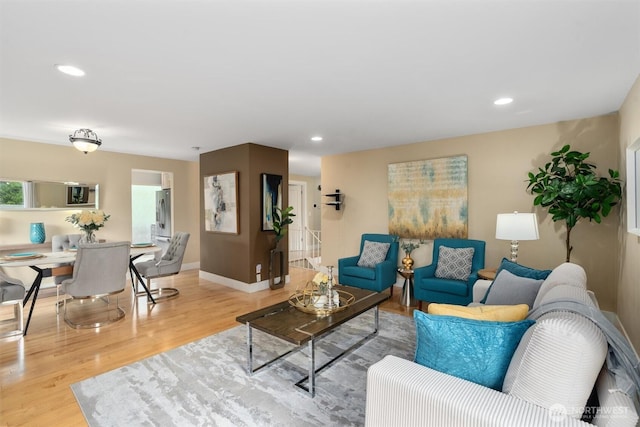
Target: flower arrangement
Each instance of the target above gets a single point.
(409, 246)
(88, 222)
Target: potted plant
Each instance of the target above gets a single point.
(571, 190)
(281, 219)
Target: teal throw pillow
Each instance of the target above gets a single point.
(522, 270)
(475, 350)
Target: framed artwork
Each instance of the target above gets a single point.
(428, 198)
(271, 198)
(221, 203)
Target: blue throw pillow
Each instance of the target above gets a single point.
(475, 350)
(518, 270)
(522, 270)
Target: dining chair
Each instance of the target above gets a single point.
(59, 243)
(12, 292)
(100, 271)
(169, 264)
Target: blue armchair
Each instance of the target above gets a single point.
(428, 287)
(377, 278)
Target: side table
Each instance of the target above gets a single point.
(407, 289)
(487, 273)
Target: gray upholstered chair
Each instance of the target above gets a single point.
(12, 292)
(100, 271)
(168, 265)
(59, 243)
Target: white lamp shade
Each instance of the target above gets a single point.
(87, 147)
(517, 226)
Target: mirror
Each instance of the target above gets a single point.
(36, 195)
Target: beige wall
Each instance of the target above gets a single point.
(23, 160)
(629, 265)
(498, 164)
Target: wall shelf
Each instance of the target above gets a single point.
(337, 199)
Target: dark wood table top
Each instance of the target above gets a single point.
(286, 322)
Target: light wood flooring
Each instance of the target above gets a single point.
(36, 371)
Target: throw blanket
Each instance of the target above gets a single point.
(622, 360)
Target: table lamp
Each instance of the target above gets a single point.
(516, 226)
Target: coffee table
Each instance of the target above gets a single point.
(289, 324)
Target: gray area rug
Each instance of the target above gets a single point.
(205, 383)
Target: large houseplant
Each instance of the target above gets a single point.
(571, 190)
(281, 219)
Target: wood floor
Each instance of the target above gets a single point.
(36, 371)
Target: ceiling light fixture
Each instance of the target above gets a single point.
(503, 101)
(316, 138)
(70, 70)
(85, 140)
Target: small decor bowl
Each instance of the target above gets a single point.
(311, 300)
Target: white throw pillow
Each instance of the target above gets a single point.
(454, 263)
(373, 253)
(557, 362)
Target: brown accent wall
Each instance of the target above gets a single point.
(235, 256)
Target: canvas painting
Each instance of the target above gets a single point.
(221, 203)
(271, 198)
(428, 198)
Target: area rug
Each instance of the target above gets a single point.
(205, 383)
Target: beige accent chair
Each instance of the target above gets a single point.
(99, 272)
(12, 292)
(169, 264)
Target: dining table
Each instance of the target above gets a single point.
(50, 264)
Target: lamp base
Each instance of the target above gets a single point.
(514, 251)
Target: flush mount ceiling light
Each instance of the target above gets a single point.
(85, 140)
(70, 70)
(316, 138)
(503, 101)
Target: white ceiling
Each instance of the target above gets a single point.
(165, 76)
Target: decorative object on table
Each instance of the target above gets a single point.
(221, 203)
(571, 190)
(428, 198)
(88, 222)
(271, 199)
(37, 234)
(516, 226)
(408, 246)
(281, 218)
(319, 296)
(85, 140)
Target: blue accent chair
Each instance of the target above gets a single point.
(376, 279)
(428, 287)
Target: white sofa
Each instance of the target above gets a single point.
(557, 361)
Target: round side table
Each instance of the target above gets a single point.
(487, 273)
(407, 289)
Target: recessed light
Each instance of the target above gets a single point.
(316, 138)
(70, 70)
(503, 101)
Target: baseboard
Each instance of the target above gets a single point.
(191, 266)
(236, 284)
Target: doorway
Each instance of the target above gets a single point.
(297, 197)
(145, 184)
